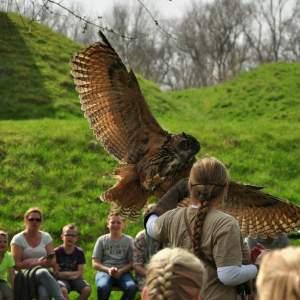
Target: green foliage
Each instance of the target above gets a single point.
(251, 123)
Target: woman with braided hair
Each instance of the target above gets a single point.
(174, 274)
(279, 275)
(211, 234)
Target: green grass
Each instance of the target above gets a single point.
(49, 157)
(35, 80)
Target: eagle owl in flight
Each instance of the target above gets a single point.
(151, 160)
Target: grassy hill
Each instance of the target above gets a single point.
(35, 80)
(49, 157)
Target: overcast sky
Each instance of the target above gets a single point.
(165, 8)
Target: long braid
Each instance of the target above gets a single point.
(198, 227)
(207, 182)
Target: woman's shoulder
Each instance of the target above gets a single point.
(46, 237)
(221, 217)
(18, 238)
(44, 233)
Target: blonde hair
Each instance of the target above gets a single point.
(33, 210)
(208, 181)
(174, 274)
(4, 233)
(279, 275)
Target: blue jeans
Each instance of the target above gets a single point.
(104, 283)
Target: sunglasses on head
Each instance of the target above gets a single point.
(34, 219)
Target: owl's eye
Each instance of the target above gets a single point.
(183, 145)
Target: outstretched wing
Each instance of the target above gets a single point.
(260, 214)
(112, 101)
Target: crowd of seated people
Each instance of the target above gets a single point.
(208, 259)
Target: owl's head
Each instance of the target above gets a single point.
(176, 159)
(185, 146)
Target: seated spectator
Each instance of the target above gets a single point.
(112, 258)
(174, 274)
(33, 253)
(70, 261)
(6, 269)
(143, 249)
(279, 276)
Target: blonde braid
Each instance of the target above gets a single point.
(174, 274)
(161, 286)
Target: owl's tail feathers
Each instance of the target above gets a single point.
(128, 194)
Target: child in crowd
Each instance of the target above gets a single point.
(174, 274)
(279, 276)
(70, 261)
(144, 248)
(6, 268)
(112, 258)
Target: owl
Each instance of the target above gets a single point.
(152, 160)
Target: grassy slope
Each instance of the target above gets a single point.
(35, 80)
(252, 123)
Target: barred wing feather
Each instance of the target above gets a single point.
(113, 103)
(260, 214)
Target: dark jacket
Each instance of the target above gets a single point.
(25, 285)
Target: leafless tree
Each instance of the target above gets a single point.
(146, 51)
(212, 38)
(274, 22)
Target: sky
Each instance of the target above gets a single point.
(165, 8)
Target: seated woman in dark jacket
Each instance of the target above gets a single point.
(33, 248)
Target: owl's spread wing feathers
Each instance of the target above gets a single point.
(112, 102)
(259, 213)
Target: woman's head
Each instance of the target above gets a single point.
(33, 218)
(208, 179)
(279, 275)
(174, 274)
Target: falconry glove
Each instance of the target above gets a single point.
(170, 199)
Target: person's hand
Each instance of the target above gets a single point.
(43, 261)
(260, 256)
(256, 251)
(75, 275)
(112, 271)
(118, 274)
(30, 262)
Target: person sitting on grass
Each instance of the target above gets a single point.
(174, 274)
(7, 264)
(70, 261)
(144, 248)
(34, 255)
(112, 258)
